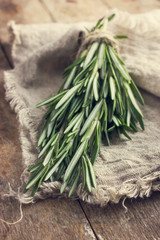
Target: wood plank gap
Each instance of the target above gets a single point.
(47, 11)
(6, 56)
(95, 234)
(106, 4)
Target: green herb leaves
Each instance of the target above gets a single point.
(98, 97)
(91, 117)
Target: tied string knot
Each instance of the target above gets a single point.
(97, 36)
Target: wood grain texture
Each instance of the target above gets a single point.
(91, 10)
(50, 219)
(30, 11)
(140, 222)
(9, 139)
(75, 10)
(133, 6)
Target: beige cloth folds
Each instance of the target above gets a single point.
(41, 52)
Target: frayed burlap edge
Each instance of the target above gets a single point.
(143, 187)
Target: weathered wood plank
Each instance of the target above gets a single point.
(3, 61)
(30, 11)
(133, 6)
(9, 140)
(75, 10)
(91, 10)
(47, 10)
(49, 219)
(141, 221)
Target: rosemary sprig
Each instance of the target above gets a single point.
(97, 97)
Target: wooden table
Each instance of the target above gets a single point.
(62, 218)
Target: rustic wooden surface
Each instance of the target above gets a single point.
(81, 10)
(61, 218)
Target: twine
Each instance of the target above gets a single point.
(96, 36)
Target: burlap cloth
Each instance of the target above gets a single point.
(40, 52)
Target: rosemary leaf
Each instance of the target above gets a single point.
(52, 170)
(90, 54)
(74, 160)
(91, 116)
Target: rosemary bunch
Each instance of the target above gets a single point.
(97, 97)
